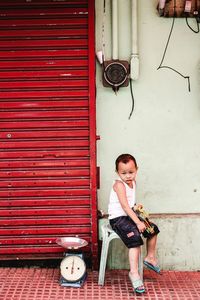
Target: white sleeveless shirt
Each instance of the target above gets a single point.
(114, 207)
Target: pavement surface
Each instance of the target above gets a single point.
(36, 283)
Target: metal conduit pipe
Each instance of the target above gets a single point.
(134, 63)
(115, 54)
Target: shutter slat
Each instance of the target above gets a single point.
(41, 94)
(40, 54)
(43, 124)
(45, 212)
(20, 13)
(43, 23)
(38, 85)
(44, 134)
(47, 221)
(78, 201)
(50, 163)
(44, 154)
(45, 230)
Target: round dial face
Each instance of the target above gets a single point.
(73, 268)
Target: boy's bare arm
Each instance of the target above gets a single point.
(119, 188)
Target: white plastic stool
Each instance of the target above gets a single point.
(107, 236)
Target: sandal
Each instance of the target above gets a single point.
(137, 284)
(152, 267)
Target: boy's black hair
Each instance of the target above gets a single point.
(125, 158)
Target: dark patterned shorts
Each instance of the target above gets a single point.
(128, 231)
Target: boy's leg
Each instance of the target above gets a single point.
(151, 250)
(134, 254)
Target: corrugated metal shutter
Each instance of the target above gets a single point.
(47, 127)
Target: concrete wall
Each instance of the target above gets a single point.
(163, 132)
(178, 244)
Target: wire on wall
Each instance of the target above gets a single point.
(195, 31)
(132, 97)
(161, 66)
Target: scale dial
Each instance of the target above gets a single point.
(73, 268)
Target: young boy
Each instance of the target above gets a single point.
(125, 222)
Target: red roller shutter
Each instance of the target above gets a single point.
(47, 127)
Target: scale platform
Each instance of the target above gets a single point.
(72, 267)
(71, 242)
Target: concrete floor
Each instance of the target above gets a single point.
(37, 283)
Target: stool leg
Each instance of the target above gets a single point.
(103, 260)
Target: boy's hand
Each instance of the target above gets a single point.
(141, 226)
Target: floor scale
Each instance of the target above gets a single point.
(73, 267)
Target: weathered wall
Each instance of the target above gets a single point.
(163, 132)
(178, 244)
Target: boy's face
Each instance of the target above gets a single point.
(127, 172)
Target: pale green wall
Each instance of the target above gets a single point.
(163, 132)
(177, 248)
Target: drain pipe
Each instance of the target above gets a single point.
(134, 63)
(115, 54)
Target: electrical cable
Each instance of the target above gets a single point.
(132, 97)
(165, 50)
(195, 31)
